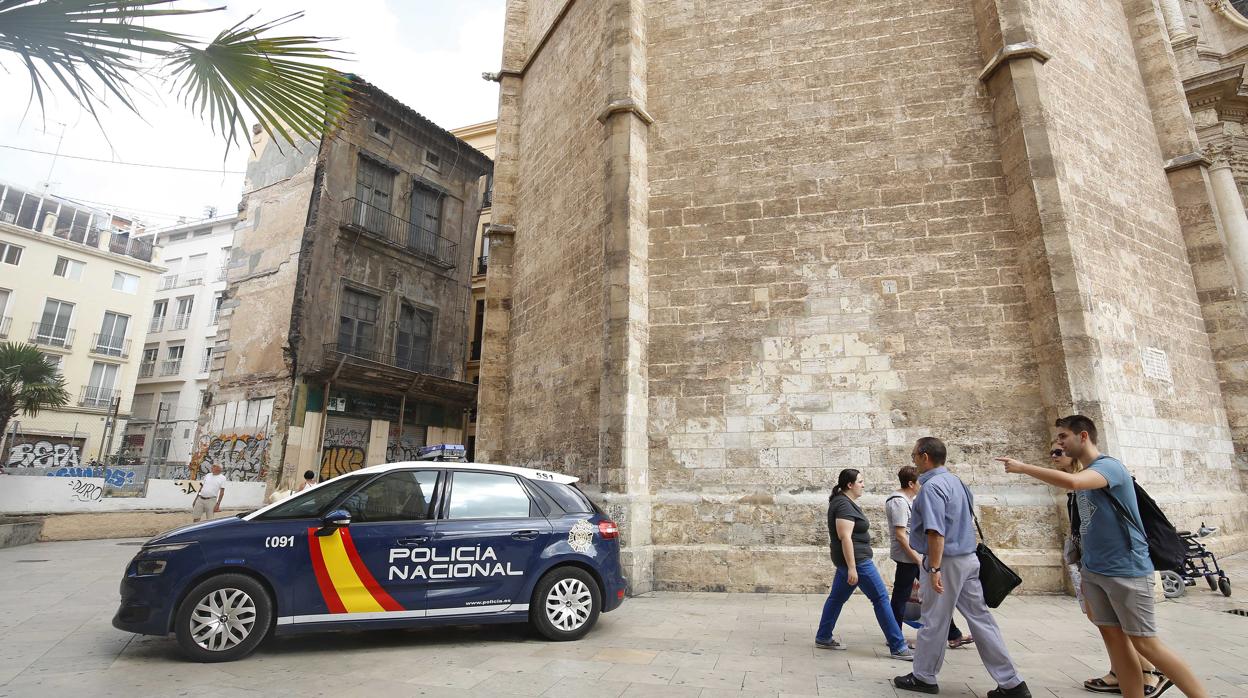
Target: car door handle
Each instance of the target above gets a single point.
(415, 540)
(524, 535)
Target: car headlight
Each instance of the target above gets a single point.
(149, 567)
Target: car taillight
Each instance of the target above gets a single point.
(608, 530)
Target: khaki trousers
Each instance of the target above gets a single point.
(202, 508)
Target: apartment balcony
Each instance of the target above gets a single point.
(167, 282)
(57, 336)
(215, 317)
(147, 369)
(407, 363)
(92, 396)
(381, 224)
(130, 247)
(5, 323)
(483, 264)
(181, 322)
(193, 278)
(222, 274)
(206, 365)
(110, 345)
(170, 367)
(157, 324)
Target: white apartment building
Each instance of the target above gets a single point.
(75, 281)
(176, 358)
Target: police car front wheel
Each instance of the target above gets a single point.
(566, 604)
(223, 618)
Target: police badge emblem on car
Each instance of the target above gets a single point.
(581, 537)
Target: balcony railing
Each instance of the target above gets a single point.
(357, 215)
(193, 278)
(157, 324)
(181, 322)
(168, 281)
(5, 322)
(147, 369)
(57, 336)
(483, 264)
(110, 345)
(92, 396)
(138, 249)
(215, 317)
(397, 361)
(222, 274)
(170, 367)
(206, 365)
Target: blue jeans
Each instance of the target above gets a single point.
(870, 583)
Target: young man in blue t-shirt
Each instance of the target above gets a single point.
(1116, 569)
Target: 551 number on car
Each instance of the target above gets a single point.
(279, 542)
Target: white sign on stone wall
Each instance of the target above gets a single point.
(1156, 364)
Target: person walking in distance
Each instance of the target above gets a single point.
(309, 481)
(851, 554)
(211, 492)
(1116, 571)
(942, 532)
(897, 508)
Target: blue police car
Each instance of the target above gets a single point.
(397, 545)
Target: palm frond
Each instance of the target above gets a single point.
(277, 79)
(90, 48)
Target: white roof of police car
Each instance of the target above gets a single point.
(528, 473)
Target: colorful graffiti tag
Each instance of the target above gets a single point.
(343, 448)
(242, 457)
(116, 477)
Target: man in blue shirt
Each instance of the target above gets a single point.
(1116, 569)
(942, 531)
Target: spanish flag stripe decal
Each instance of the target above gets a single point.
(332, 602)
(387, 602)
(355, 598)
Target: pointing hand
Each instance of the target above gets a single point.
(1011, 465)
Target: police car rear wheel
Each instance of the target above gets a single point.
(566, 604)
(223, 618)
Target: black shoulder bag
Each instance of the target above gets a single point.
(997, 579)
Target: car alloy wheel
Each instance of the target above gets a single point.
(569, 603)
(223, 619)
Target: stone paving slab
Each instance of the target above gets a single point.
(60, 597)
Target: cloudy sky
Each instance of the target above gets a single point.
(427, 53)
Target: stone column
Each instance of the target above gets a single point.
(1172, 10)
(1232, 214)
(624, 449)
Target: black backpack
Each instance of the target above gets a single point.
(1165, 548)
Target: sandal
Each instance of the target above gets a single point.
(1099, 685)
(961, 642)
(1163, 684)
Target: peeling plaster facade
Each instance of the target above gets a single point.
(345, 324)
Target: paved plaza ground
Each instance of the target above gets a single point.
(59, 598)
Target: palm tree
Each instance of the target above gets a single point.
(94, 49)
(28, 383)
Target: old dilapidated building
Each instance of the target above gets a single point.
(344, 327)
(791, 237)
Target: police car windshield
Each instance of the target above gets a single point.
(313, 502)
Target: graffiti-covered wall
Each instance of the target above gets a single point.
(237, 438)
(85, 493)
(345, 446)
(40, 451)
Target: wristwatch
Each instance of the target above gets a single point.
(931, 570)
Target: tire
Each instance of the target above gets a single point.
(566, 604)
(1172, 584)
(199, 631)
(1224, 585)
(1212, 579)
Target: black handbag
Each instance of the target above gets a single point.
(996, 577)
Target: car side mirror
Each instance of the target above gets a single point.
(334, 520)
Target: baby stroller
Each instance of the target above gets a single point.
(1197, 562)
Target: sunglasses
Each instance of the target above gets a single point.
(1056, 453)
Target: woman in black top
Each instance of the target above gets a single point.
(851, 553)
